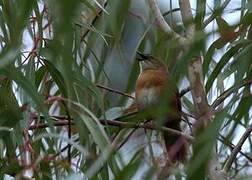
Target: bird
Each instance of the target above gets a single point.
(155, 90)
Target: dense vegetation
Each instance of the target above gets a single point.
(68, 69)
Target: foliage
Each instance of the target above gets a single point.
(70, 62)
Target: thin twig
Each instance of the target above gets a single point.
(129, 135)
(61, 151)
(127, 138)
(225, 142)
(171, 11)
(94, 20)
(114, 91)
(211, 18)
(122, 124)
(237, 148)
(63, 122)
(45, 125)
(232, 146)
(184, 91)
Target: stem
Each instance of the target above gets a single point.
(69, 133)
(187, 17)
(162, 23)
(195, 77)
(237, 148)
(98, 14)
(121, 124)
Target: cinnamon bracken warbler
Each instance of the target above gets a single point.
(156, 89)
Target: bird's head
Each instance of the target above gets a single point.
(148, 61)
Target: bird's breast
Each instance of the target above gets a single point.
(149, 87)
(147, 97)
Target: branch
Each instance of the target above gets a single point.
(213, 16)
(225, 142)
(232, 146)
(187, 17)
(195, 67)
(162, 23)
(196, 82)
(237, 148)
(63, 121)
(61, 151)
(45, 125)
(195, 76)
(120, 124)
(222, 139)
(171, 11)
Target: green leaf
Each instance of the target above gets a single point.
(62, 138)
(8, 55)
(56, 76)
(219, 43)
(85, 83)
(131, 168)
(39, 74)
(220, 65)
(10, 113)
(92, 123)
(200, 13)
(223, 25)
(203, 147)
(26, 85)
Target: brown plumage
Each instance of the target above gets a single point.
(154, 89)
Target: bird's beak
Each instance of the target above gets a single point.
(141, 57)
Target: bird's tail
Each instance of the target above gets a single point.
(176, 146)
